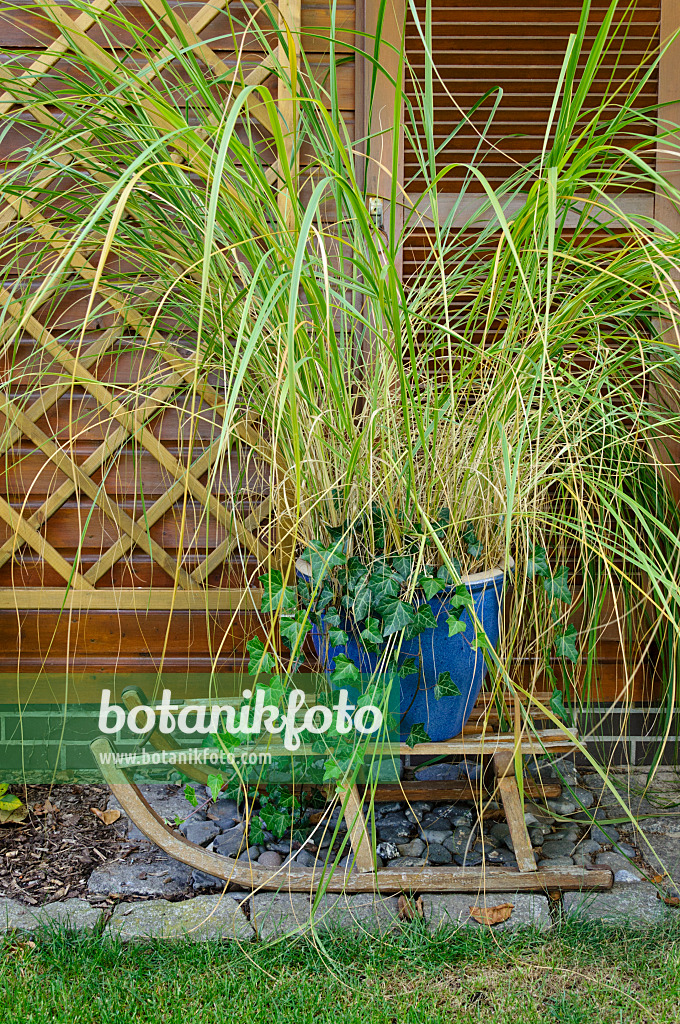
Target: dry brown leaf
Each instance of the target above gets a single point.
(108, 817)
(410, 908)
(670, 901)
(657, 879)
(492, 915)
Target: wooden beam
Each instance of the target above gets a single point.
(130, 599)
(667, 159)
(448, 789)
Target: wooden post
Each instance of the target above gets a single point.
(290, 19)
(504, 766)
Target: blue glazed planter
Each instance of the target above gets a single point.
(436, 652)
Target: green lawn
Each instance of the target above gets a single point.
(574, 975)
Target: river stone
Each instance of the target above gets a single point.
(407, 862)
(604, 834)
(583, 796)
(556, 862)
(202, 882)
(390, 807)
(571, 834)
(563, 805)
(200, 832)
(277, 914)
(204, 917)
(151, 873)
(436, 772)
(634, 905)
(626, 849)
(73, 914)
(412, 849)
(438, 854)
(500, 830)
(536, 836)
(616, 862)
(435, 835)
(558, 848)
(588, 846)
(581, 860)
(626, 876)
(469, 858)
(395, 833)
(270, 859)
(529, 910)
(388, 851)
(494, 857)
(437, 820)
(542, 816)
(463, 819)
(394, 818)
(230, 843)
(250, 855)
(302, 858)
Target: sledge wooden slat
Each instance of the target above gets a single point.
(504, 767)
(450, 789)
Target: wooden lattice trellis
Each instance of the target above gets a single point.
(130, 417)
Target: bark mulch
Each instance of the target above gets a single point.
(51, 854)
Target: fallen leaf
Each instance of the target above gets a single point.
(13, 817)
(409, 908)
(108, 817)
(10, 802)
(670, 901)
(49, 807)
(657, 879)
(492, 915)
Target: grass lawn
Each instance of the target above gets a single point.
(576, 974)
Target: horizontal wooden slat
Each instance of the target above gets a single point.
(131, 600)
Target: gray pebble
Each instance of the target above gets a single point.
(412, 849)
(563, 805)
(558, 848)
(251, 854)
(588, 846)
(626, 876)
(604, 834)
(469, 859)
(615, 862)
(556, 862)
(437, 854)
(199, 832)
(536, 836)
(626, 849)
(407, 862)
(583, 796)
(270, 859)
(231, 842)
(435, 835)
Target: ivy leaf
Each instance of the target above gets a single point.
(565, 643)
(371, 634)
(275, 821)
(537, 564)
(445, 576)
(324, 598)
(190, 795)
(445, 686)
(422, 620)
(276, 597)
(323, 558)
(558, 708)
(345, 673)
(4, 786)
(353, 574)
(408, 667)
(480, 643)
(417, 734)
(215, 783)
(474, 545)
(456, 625)
(556, 586)
(256, 832)
(293, 631)
(337, 637)
(360, 604)
(275, 692)
(384, 583)
(460, 598)
(403, 566)
(304, 592)
(396, 615)
(431, 585)
(332, 618)
(261, 660)
(331, 771)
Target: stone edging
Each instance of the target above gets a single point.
(265, 916)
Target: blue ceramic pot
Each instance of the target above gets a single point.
(436, 652)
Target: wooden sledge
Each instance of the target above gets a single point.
(498, 748)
